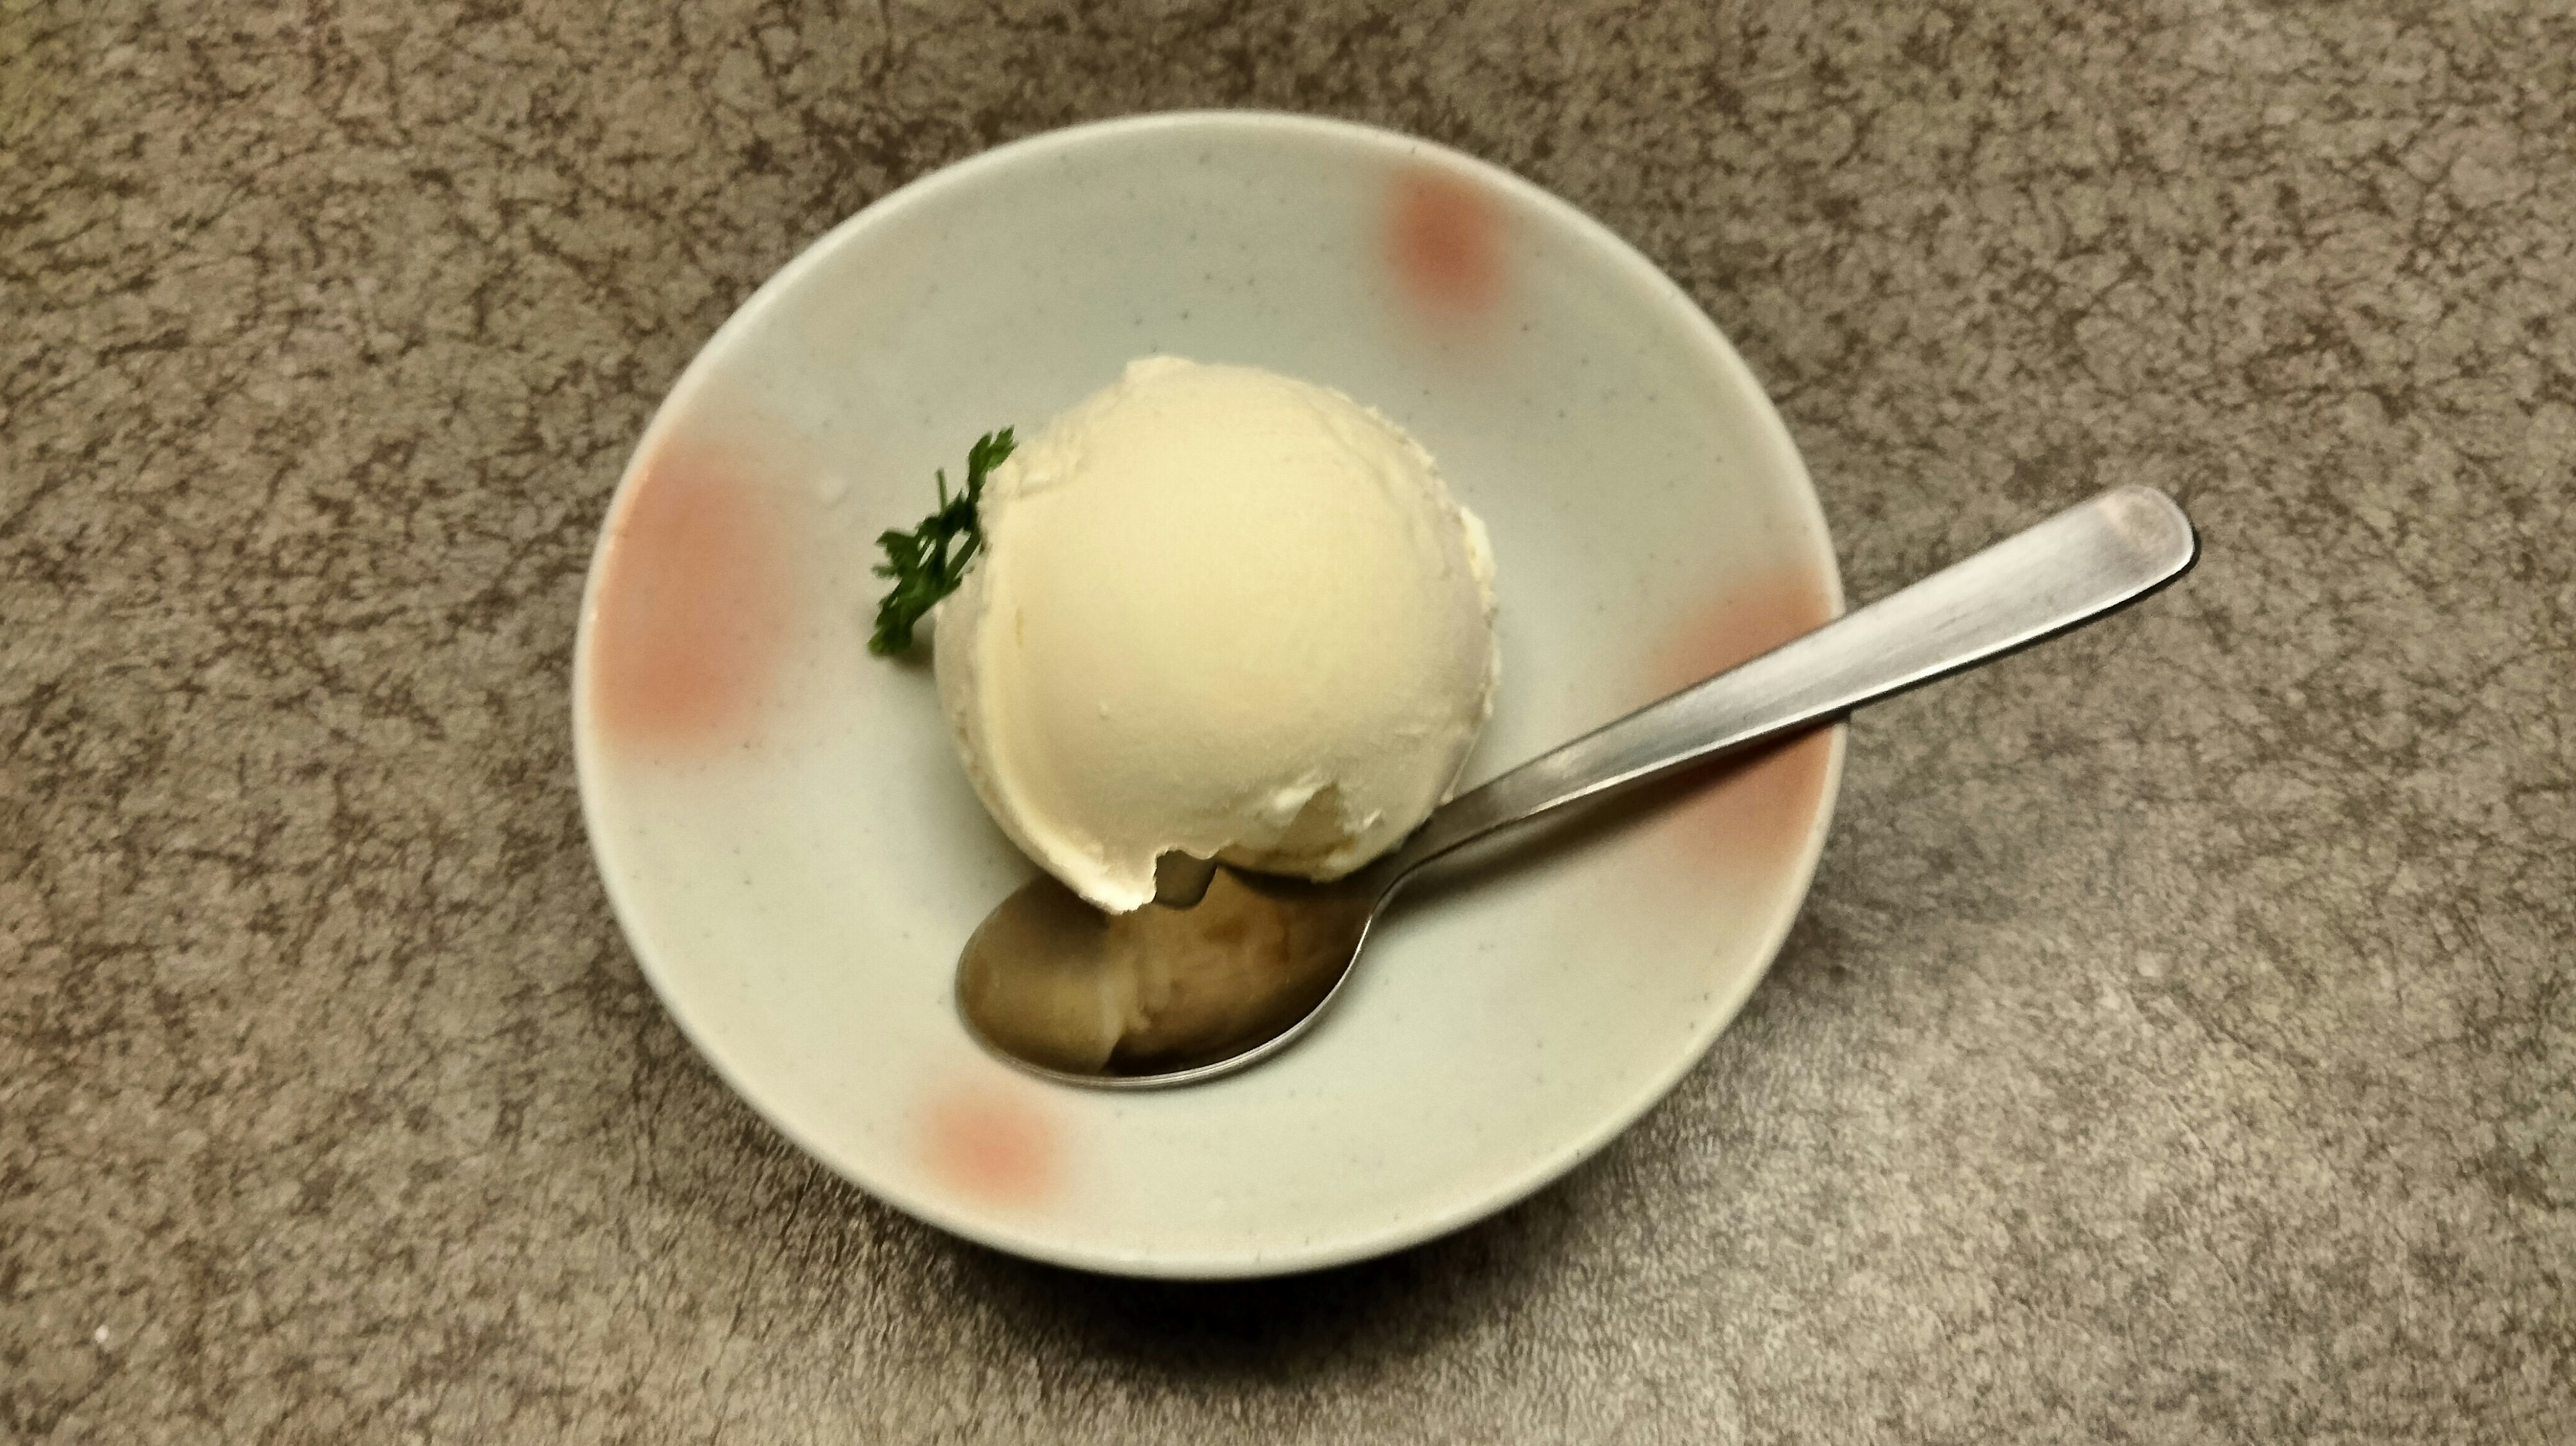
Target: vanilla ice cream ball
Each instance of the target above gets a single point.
(1219, 611)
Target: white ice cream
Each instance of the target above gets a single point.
(1219, 611)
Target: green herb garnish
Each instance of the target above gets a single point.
(921, 563)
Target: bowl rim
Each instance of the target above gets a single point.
(999, 1230)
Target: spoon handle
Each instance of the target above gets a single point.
(2081, 564)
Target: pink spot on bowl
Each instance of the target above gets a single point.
(1444, 239)
(992, 1143)
(690, 620)
(1753, 814)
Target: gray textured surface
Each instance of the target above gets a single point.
(2179, 1042)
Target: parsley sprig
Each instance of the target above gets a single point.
(921, 562)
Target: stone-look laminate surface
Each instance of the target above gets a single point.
(2178, 1045)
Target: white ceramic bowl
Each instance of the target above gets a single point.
(796, 857)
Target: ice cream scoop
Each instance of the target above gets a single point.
(1220, 613)
(1167, 995)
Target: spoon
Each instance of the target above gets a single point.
(1226, 967)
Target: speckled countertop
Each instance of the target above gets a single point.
(2179, 1044)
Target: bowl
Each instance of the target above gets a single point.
(796, 857)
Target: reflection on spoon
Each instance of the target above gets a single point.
(1052, 981)
(1180, 991)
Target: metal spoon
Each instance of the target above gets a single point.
(1189, 988)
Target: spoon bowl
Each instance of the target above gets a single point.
(1166, 994)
